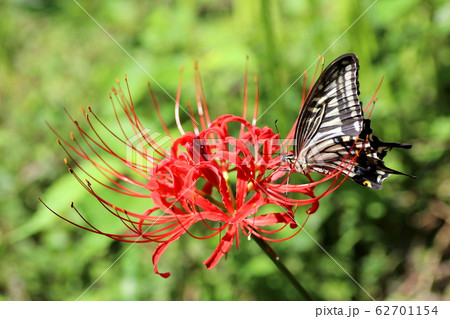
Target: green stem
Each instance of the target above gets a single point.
(276, 260)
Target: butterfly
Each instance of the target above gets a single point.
(331, 130)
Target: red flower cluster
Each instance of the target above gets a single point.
(218, 176)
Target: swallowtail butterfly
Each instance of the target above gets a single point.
(331, 130)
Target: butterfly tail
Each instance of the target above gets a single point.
(373, 172)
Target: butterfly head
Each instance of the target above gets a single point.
(295, 163)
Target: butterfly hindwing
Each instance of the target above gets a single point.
(369, 169)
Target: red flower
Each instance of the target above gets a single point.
(211, 176)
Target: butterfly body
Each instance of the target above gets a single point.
(331, 133)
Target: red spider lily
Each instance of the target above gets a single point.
(213, 176)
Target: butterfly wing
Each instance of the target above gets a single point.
(331, 129)
(369, 169)
(332, 109)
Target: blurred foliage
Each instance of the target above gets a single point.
(394, 242)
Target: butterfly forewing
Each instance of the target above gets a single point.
(332, 109)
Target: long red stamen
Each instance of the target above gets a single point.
(372, 100)
(201, 100)
(156, 106)
(177, 104)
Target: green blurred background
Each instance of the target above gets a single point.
(394, 242)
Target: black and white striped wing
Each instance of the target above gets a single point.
(331, 129)
(331, 110)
